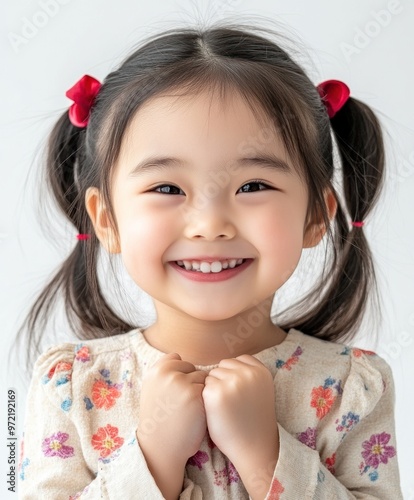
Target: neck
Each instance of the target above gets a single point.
(208, 342)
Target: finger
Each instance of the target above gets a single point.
(231, 364)
(220, 373)
(173, 361)
(166, 357)
(180, 366)
(211, 382)
(249, 360)
(197, 377)
(244, 359)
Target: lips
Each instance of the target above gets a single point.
(212, 276)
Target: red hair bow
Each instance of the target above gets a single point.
(83, 94)
(334, 95)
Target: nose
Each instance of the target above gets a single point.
(210, 222)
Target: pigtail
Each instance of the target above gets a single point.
(361, 148)
(360, 144)
(77, 279)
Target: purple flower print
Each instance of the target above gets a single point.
(226, 476)
(200, 458)
(233, 474)
(53, 446)
(376, 450)
(308, 437)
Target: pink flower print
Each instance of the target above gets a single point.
(376, 450)
(200, 458)
(53, 446)
(82, 353)
(308, 437)
(276, 489)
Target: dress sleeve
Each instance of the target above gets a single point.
(52, 464)
(359, 452)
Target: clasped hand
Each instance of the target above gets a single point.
(234, 401)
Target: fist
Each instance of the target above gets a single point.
(239, 401)
(172, 419)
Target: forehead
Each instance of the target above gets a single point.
(206, 107)
(204, 125)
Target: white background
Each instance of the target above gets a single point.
(77, 37)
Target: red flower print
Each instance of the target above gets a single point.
(376, 450)
(322, 400)
(290, 362)
(106, 440)
(104, 395)
(276, 489)
(359, 352)
(62, 366)
(330, 462)
(53, 446)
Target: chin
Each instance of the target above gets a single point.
(209, 314)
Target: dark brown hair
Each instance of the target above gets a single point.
(230, 58)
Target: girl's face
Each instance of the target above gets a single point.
(227, 190)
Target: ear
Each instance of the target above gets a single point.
(316, 229)
(98, 214)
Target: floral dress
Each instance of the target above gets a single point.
(334, 406)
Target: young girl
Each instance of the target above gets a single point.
(206, 161)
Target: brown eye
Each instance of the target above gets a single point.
(168, 189)
(254, 186)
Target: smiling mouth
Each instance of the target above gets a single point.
(207, 267)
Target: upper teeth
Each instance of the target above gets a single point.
(206, 267)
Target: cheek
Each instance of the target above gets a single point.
(144, 240)
(280, 240)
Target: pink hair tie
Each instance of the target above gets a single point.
(358, 223)
(82, 237)
(334, 94)
(83, 93)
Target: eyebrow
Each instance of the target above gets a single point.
(162, 163)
